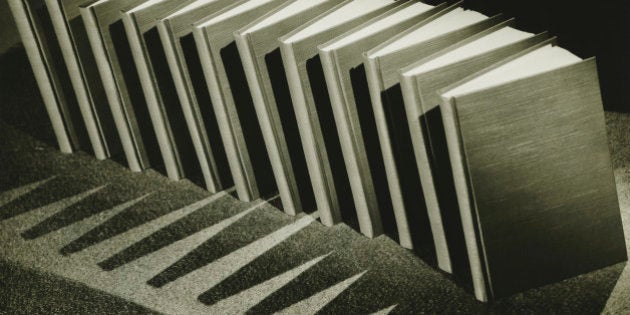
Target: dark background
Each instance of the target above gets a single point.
(587, 29)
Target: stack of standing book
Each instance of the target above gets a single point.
(479, 146)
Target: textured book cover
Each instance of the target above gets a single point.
(429, 142)
(534, 179)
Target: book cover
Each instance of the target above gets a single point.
(429, 142)
(533, 178)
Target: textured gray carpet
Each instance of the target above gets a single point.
(85, 236)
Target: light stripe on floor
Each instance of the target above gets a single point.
(109, 247)
(385, 311)
(619, 300)
(241, 302)
(319, 300)
(150, 265)
(15, 193)
(27, 220)
(61, 237)
(208, 276)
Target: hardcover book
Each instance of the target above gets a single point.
(103, 23)
(260, 52)
(350, 100)
(533, 176)
(159, 90)
(381, 64)
(232, 102)
(185, 68)
(44, 54)
(419, 83)
(312, 107)
(83, 74)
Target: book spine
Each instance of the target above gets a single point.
(111, 91)
(413, 110)
(451, 126)
(359, 173)
(281, 167)
(174, 169)
(323, 185)
(391, 171)
(29, 40)
(183, 86)
(245, 189)
(72, 63)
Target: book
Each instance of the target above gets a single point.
(311, 104)
(83, 75)
(106, 34)
(183, 61)
(532, 170)
(44, 54)
(232, 102)
(350, 101)
(166, 114)
(260, 53)
(419, 83)
(381, 63)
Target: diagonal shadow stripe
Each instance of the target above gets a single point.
(145, 267)
(316, 302)
(206, 213)
(106, 198)
(26, 220)
(121, 242)
(250, 228)
(66, 234)
(312, 241)
(213, 273)
(15, 193)
(336, 268)
(43, 195)
(165, 199)
(244, 300)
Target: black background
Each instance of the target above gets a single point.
(587, 29)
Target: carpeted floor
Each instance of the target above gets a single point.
(79, 235)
